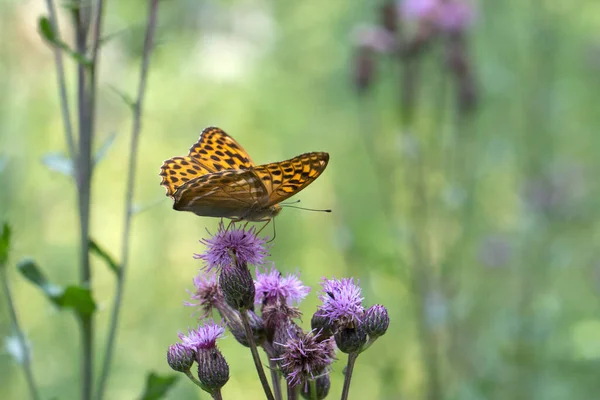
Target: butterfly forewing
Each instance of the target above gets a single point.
(286, 178)
(217, 151)
(177, 171)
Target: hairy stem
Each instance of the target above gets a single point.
(275, 376)
(255, 356)
(133, 152)
(349, 368)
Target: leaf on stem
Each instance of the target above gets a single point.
(77, 298)
(103, 254)
(124, 96)
(49, 34)
(158, 385)
(103, 150)
(59, 163)
(4, 243)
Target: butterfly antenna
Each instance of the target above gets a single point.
(306, 209)
(291, 202)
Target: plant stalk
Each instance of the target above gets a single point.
(349, 368)
(131, 173)
(255, 356)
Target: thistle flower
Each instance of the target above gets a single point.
(342, 302)
(180, 357)
(204, 337)
(272, 286)
(304, 358)
(207, 294)
(213, 370)
(225, 245)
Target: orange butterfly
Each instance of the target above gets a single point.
(218, 179)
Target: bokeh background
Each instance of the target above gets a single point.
(462, 181)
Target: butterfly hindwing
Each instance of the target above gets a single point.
(217, 151)
(227, 194)
(286, 178)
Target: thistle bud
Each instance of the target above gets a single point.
(237, 329)
(323, 383)
(350, 340)
(213, 370)
(376, 321)
(180, 357)
(237, 286)
(322, 325)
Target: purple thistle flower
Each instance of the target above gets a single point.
(272, 286)
(304, 357)
(205, 337)
(244, 244)
(342, 301)
(207, 294)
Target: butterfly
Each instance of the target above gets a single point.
(218, 179)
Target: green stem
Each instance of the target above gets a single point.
(133, 152)
(349, 368)
(83, 178)
(255, 356)
(26, 356)
(216, 395)
(61, 81)
(313, 389)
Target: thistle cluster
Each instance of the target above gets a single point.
(407, 30)
(263, 311)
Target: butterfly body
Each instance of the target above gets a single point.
(218, 179)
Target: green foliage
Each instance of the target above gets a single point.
(4, 244)
(157, 385)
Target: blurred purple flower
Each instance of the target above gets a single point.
(342, 301)
(304, 357)
(455, 15)
(205, 337)
(207, 293)
(447, 15)
(272, 285)
(244, 244)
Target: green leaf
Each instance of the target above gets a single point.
(47, 30)
(107, 258)
(157, 386)
(103, 150)
(124, 96)
(59, 163)
(79, 299)
(32, 272)
(4, 244)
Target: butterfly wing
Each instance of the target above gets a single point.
(217, 151)
(225, 194)
(286, 178)
(177, 171)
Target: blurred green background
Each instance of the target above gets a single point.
(476, 226)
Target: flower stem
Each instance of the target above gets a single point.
(188, 373)
(349, 368)
(133, 150)
(217, 395)
(313, 389)
(275, 376)
(26, 356)
(255, 356)
(292, 392)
